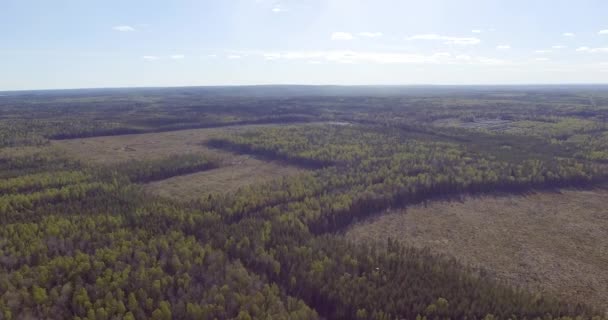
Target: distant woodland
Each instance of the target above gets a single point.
(80, 240)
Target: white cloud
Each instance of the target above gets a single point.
(177, 56)
(503, 47)
(278, 10)
(542, 51)
(446, 39)
(213, 55)
(476, 31)
(350, 57)
(123, 28)
(568, 34)
(342, 36)
(272, 56)
(605, 31)
(559, 46)
(592, 50)
(150, 58)
(542, 59)
(234, 56)
(371, 34)
(489, 61)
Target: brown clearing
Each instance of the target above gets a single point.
(546, 242)
(114, 149)
(236, 171)
(15, 152)
(223, 180)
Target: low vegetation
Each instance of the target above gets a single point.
(551, 242)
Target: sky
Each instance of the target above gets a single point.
(53, 44)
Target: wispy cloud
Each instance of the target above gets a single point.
(592, 50)
(605, 31)
(278, 9)
(370, 57)
(476, 31)
(177, 56)
(542, 59)
(342, 36)
(272, 56)
(559, 46)
(234, 56)
(370, 34)
(542, 51)
(446, 39)
(123, 28)
(150, 58)
(354, 57)
(568, 34)
(503, 47)
(212, 55)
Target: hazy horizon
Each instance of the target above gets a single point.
(70, 44)
(323, 90)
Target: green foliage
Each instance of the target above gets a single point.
(85, 242)
(152, 170)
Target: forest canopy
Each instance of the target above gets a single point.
(83, 240)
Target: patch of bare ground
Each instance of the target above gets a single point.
(554, 242)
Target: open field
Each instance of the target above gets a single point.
(548, 242)
(236, 171)
(23, 151)
(145, 146)
(244, 171)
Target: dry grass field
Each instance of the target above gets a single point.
(236, 171)
(245, 171)
(547, 242)
(15, 152)
(113, 149)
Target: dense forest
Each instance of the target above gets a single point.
(79, 240)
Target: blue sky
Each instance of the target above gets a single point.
(48, 44)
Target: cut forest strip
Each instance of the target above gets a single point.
(223, 172)
(244, 171)
(146, 146)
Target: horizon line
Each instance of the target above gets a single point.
(581, 84)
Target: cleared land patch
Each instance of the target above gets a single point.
(245, 171)
(114, 149)
(547, 242)
(236, 170)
